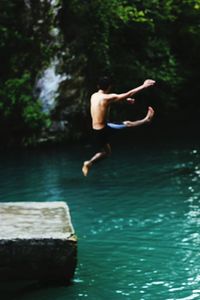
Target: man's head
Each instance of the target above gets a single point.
(105, 84)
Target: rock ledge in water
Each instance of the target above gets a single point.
(37, 241)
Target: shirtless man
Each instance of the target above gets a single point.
(99, 104)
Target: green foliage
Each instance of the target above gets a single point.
(129, 40)
(20, 114)
(25, 35)
(25, 48)
(134, 40)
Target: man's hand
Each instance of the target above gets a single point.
(148, 82)
(130, 100)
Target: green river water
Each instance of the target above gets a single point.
(137, 218)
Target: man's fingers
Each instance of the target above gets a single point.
(130, 100)
(150, 81)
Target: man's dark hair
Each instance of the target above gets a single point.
(104, 83)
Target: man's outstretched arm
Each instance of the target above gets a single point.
(118, 97)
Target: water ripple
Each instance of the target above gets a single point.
(137, 218)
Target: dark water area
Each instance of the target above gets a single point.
(136, 215)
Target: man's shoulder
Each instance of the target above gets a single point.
(103, 97)
(95, 95)
(110, 97)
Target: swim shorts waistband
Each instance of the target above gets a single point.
(116, 126)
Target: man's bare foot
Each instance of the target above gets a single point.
(147, 119)
(86, 167)
(149, 115)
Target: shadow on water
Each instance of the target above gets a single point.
(16, 290)
(11, 290)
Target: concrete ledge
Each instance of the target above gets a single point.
(37, 241)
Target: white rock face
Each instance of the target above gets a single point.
(48, 86)
(35, 220)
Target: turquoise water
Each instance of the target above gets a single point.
(137, 218)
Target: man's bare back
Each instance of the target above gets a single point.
(98, 109)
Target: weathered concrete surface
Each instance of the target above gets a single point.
(37, 241)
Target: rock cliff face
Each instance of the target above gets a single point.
(38, 57)
(54, 51)
(60, 82)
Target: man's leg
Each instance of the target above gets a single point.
(147, 119)
(98, 156)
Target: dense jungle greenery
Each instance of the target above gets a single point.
(129, 40)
